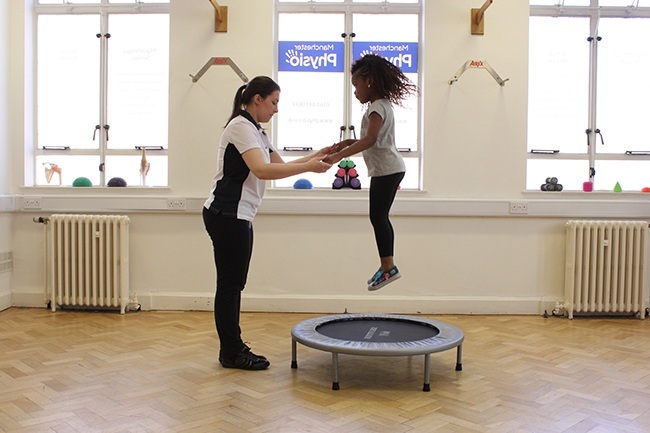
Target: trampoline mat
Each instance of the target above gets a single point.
(377, 330)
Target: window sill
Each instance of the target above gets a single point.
(345, 202)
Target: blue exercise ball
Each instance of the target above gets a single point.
(116, 181)
(302, 184)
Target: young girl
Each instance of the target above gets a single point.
(379, 83)
(245, 160)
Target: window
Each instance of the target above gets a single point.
(316, 46)
(102, 78)
(588, 93)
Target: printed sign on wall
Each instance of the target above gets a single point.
(404, 55)
(310, 56)
(328, 56)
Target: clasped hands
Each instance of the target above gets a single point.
(329, 155)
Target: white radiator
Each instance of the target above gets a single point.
(606, 267)
(88, 261)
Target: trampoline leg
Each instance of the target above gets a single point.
(294, 351)
(459, 358)
(335, 371)
(427, 373)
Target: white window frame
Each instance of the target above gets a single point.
(103, 9)
(593, 12)
(349, 8)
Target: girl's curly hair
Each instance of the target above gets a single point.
(387, 79)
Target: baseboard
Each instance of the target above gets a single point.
(5, 301)
(373, 303)
(29, 300)
(173, 301)
(353, 304)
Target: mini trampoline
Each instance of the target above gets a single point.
(377, 335)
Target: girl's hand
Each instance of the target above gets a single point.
(322, 153)
(335, 147)
(332, 159)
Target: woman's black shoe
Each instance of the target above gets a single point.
(245, 360)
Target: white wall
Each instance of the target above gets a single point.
(5, 167)
(457, 247)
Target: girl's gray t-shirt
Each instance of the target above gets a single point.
(382, 158)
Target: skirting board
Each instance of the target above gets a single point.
(5, 301)
(373, 303)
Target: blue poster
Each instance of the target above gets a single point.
(310, 56)
(404, 55)
(299, 56)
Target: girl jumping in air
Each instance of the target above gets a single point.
(378, 83)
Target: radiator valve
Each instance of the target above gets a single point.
(558, 310)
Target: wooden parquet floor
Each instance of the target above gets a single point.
(158, 372)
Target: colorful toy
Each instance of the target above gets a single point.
(617, 187)
(346, 176)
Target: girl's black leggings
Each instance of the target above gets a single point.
(382, 194)
(232, 242)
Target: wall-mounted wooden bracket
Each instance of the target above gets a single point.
(478, 18)
(478, 64)
(220, 17)
(219, 61)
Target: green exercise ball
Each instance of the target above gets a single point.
(82, 181)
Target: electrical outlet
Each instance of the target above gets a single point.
(518, 207)
(176, 204)
(32, 203)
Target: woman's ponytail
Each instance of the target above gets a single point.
(260, 85)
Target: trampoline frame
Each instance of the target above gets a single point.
(447, 338)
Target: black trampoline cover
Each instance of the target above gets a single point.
(377, 330)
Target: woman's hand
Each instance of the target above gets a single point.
(317, 165)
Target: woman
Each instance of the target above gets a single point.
(246, 160)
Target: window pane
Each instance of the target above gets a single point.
(310, 74)
(557, 2)
(128, 168)
(623, 87)
(631, 175)
(325, 180)
(139, 1)
(61, 2)
(322, 111)
(621, 3)
(558, 84)
(138, 80)
(71, 166)
(412, 177)
(394, 37)
(389, 1)
(68, 80)
(571, 174)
